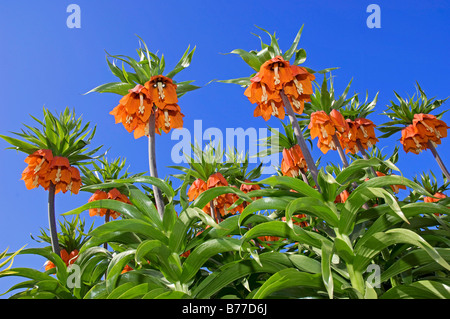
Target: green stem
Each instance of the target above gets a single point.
(340, 150)
(300, 139)
(152, 164)
(356, 279)
(439, 160)
(52, 219)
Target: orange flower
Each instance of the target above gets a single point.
(298, 219)
(395, 188)
(268, 239)
(75, 180)
(412, 141)
(60, 174)
(325, 127)
(342, 197)
(134, 110)
(168, 118)
(222, 202)
(37, 169)
(245, 188)
(299, 89)
(114, 194)
(273, 107)
(275, 73)
(293, 162)
(162, 91)
(434, 200)
(68, 259)
(98, 195)
(197, 187)
(127, 268)
(365, 132)
(428, 126)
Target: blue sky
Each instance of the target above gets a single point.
(43, 62)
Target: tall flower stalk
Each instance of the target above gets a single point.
(280, 87)
(420, 130)
(150, 100)
(54, 149)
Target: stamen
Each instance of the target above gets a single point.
(36, 181)
(69, 186)
(324, 132)
(166, 118)
(129, 119)
(277, 76)
(429, 128)
(296, 103)
(274, 108)
(161, 90)
(438, 135)
(58, 175)
(299, 86)
(264, 96)
(369, 144)
(364, 131)
(38, 168)
(417, 143)
(141, 107)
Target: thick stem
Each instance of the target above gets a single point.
(105, 245)
(340, 151)
(52, 219)
(439, 160)
(152, 164)
(214, 214)
(300, 139)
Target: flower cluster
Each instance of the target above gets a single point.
(159, 97)
(274, 76)
(360, 130)
(424, 128)
(224, 201)
(293, 162)
(326, 127)
(44, 168)
(113, 194)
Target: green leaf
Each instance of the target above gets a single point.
(423, 289)
(120, 88)
(290, 52)
(287, 278)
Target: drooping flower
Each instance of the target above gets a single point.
(68, 259)
(298, 219)
(115, 194)
(342, 197)
(197, 187)
(98, 195)
(293, 162)
(325, 126)
(134, 110)
(412, 141)
(246, 188)
(59, 174)
(299, 89)
(162, 91)
(275, 73)
(439, 196)
(428, 126)
(168, 118)
(221, 202)
(37, 169)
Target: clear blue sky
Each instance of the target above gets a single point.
(43, 62)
